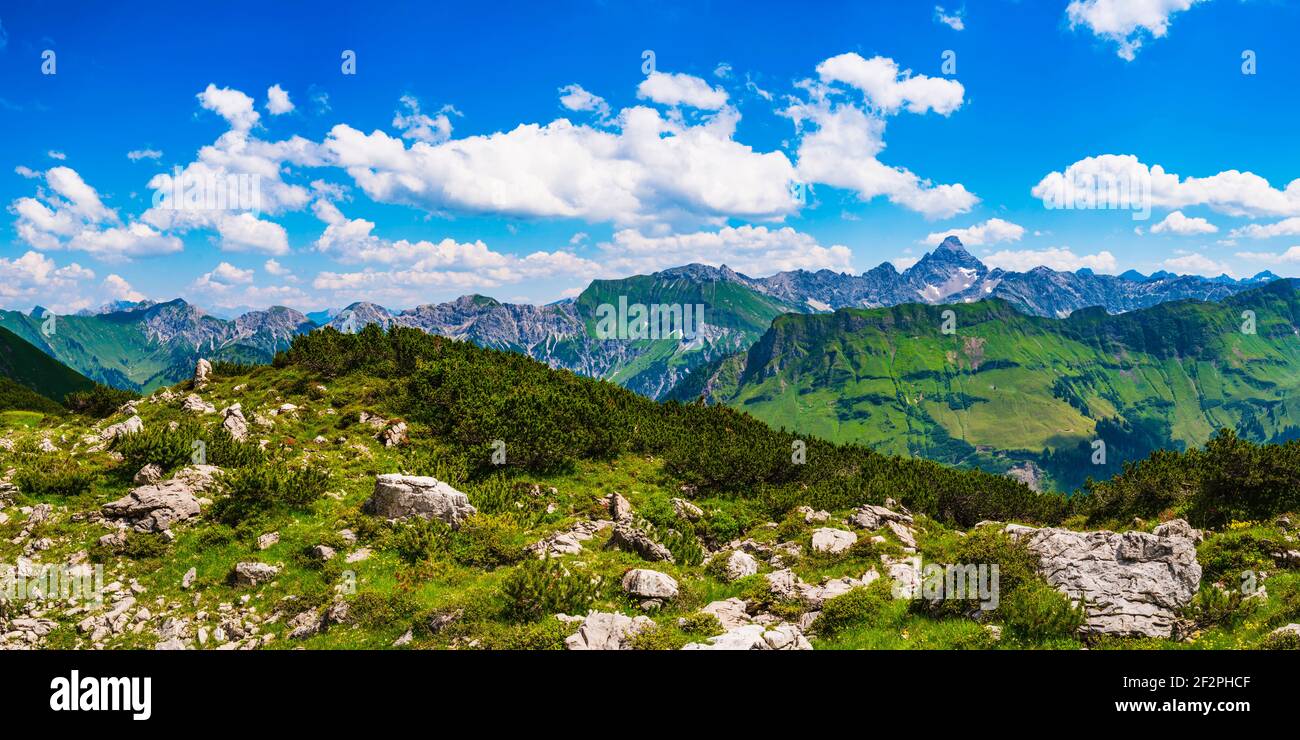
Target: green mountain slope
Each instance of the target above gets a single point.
(1007, 387)
(142, 350)
(734, 317)
(26, 370)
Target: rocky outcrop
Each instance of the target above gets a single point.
(738, 565)
(130, 426)
(756, 637)
(155, 508)
(196, 405)
(402, 496)
(1131, 583)
(607, 631)
(832, 541)
(875, 517)
(631, 539)
(234, 423)
(202, 372)
(568, 542)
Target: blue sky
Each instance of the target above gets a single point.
(520, 151)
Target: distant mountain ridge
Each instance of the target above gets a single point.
(950, 274)
(142, 345)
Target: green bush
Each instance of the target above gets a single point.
(1280, 641)
(63, 477)
(860, 606)
(1227, 555)
(540, 588)
(98, 402)
(1213, 606)
(487, 542)
(659, 637)
(252, 492)
(373, 609)
(1037, 613)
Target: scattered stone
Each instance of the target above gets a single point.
(687, 510)
(731, 613)
(188, 579)
(196, 405)
(401, 496)
(607, 631)
(130, 426)
(739, 564)
(783, 636)
(323, 553)
(234, 423)
(394, 435)
(148, 475)
(253, 574)
(649, 584)
(833, 541)
(268, 540)
(305, 624)
(630, 539)
(47, 446)
(356, 557)
(568, 542)
(811, 516)
(874, 517)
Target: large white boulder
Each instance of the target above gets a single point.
(1132, 583)
(833, 541)
(649, 584)
(402, 496)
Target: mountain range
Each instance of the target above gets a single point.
(996, 388)
(142, 346)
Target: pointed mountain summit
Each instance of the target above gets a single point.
(948, 270)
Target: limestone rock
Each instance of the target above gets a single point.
(739, 564)
(619, 508)
(649, 584)
(756, 637)
(607, 631)
(253, 574)
(130, 426)
(630, 539)
(202, 373)
(731, 613)
(401, 496)
(148, 475)
(196, 405)
(687, 510)
(394, 435)
(234, 423)
(1133, 583)
(155, 508)
(874, 517)
(832, 541)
